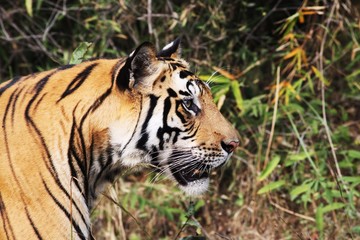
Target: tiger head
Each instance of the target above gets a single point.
(179, 131)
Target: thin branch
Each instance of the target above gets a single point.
(149, 15)
(292, 212)
(273, 118)
(323, 103)
(127, 212)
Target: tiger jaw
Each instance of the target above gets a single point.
(192, 175)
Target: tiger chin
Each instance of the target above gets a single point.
(68, 132)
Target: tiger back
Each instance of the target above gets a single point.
(68, 132)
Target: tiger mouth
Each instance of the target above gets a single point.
(185, 175)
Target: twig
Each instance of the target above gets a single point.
(274, 117)
(149, 17)
(321, 69)
(206, 234)
(132, 216)
(185, 223)
(292, 212)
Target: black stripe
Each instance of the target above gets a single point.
(109, 154)
(91, 109)
(185, 73)
(99, 101)
(77, 81)
(171, 92)
(104, 167)
(39, 86)
(38, 102)
(72, 154)
(68, 66)
(166, 58)
(173, 66)
(154, 156)
(144, 135)
(136, 125)
(72, 150)
(192, 135)
(184, 93)
(178, 113)
(88, 167)
(76, 226)
(4, 218)
(16, 93)
(74, 174)
(165, 128)
(9, 84)
(6, 140)
(188, 85)
(9, 159)
(32, 224)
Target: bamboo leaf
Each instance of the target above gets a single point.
(354, 154)
(271, 186)
(333, 206)
(319, 75)
(235, 87)
(269, 168)
(29, 7)
(296, 157)
(299, 190)
(319, 218)
(292, 53)
(352, 179)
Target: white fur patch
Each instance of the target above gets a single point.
(196, 187)
(132, 53)
(168, 46)
(119, 136)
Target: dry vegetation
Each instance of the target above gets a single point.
(286, 73)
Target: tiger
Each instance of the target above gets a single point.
(69, 132)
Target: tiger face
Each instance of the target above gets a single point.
(181, 131)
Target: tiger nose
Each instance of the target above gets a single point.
(229, 146)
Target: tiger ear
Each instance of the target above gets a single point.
(137, 66)
(172, 50)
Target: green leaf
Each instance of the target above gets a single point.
(295, 157)
(299, 189)
(356, 230)
(333, 206)
(269, 168)
(29, 8)
(319, 75)
(79, 53)
(235, 87)
(193, 223)
(199, 204)
(271, 186)
(354, 154)
(319, 218)
(352, 179)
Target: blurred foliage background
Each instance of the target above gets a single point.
(286, 73)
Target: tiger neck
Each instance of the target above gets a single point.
(101, 153)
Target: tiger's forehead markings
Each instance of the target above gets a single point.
(194, 86)
(174, 64)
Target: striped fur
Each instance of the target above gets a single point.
(68, 132)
